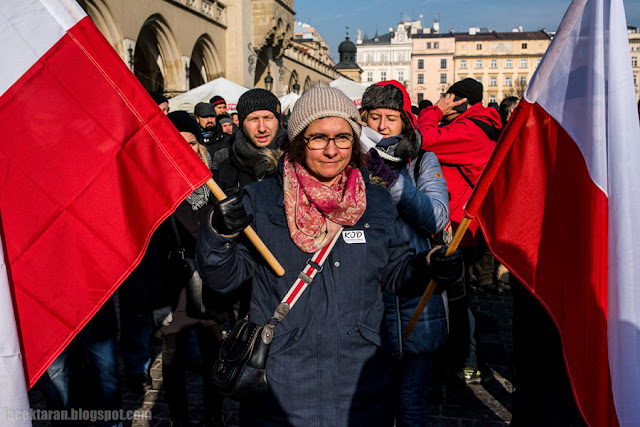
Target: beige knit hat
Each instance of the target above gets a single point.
(320, 102)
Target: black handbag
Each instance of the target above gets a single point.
(240, 372)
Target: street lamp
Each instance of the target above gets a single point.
(296, 87)
(268, 81)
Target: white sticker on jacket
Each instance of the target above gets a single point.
(353, 236)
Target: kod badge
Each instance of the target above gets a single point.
(353, 236)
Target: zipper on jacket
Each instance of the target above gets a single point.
(397, 304)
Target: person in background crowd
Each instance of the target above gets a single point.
(225, 122)
(176, 327)
(234, 117)
(326, 366)
(416, 185)
(162, 102)
(219, 104)
(259, 118)
(67, 384)
(494, 104)
(462, 134)
(506, 108)
(424, 104)
(221, 140)
(205, 115)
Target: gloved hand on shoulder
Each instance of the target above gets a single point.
(229, 216)
(377, 167)
(448, 271)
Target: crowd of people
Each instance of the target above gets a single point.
(397, 174)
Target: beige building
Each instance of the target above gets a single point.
(175, 45)
(432, 63)
(503, 62)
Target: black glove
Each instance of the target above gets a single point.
(229, 216)
(446, 270)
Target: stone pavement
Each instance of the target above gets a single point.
(449, 405)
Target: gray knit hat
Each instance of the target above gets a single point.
(318, 103)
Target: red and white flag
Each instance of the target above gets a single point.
(563, 201)
(89, 168)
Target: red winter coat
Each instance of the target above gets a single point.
(463, 149)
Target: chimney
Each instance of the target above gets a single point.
(473, 31)
(436, 27)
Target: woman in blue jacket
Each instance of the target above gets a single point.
(414, 181)
(326, 365)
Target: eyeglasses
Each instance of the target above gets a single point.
(320, 142)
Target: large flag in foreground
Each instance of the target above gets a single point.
(563, 201)
(89, 167)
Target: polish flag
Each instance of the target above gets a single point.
(562, 203)
(89, 167)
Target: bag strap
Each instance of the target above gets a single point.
(176, 235)
(305, 277)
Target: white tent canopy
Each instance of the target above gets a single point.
(288, 101)
(227, 89)
(350, 88)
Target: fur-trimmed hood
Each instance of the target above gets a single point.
(392, 94)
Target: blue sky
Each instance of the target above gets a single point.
(331, 16)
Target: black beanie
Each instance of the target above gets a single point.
(256, 100)
(424, 104)
(217, 100)
(184, 123)
(382, 96)
(158, 98)
(467, 88)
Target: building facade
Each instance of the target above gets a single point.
(175, 45)
(503, 62)
(387, 57)
(432, 62)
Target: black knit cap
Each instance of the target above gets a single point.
(217, 100)
(158, 97)
(256, 100)
(184, 123)
(467, 88)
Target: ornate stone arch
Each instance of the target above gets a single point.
(102, 17)
(157, 60)
(307, 84)
(293, 79)
(205, 62)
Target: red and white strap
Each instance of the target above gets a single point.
(314, 265)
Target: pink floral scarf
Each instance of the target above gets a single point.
(316, 211)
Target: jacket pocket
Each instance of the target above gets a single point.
(370, 334)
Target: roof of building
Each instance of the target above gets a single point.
(383, 39)
(494, 36)
(347, 66)
(347, 46)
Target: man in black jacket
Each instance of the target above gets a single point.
(257, 143)
(206, 117)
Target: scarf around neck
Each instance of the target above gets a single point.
(200, 197)
(315, 212)
(252, 158)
